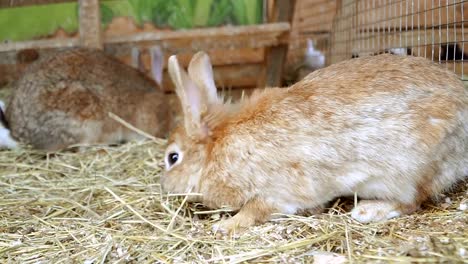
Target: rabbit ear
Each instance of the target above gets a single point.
(157, 61)
(201, 72)
(136, 59)
(189, 96)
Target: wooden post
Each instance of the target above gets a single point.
(90, 24)
(276, 56)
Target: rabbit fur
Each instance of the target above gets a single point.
(6, 141)
(65, 99)
(391, 129)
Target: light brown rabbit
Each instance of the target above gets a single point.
(392, 129)
(65, 99)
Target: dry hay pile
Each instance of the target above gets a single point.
(105, 205)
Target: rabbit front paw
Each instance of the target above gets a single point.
(234, 225)
(253, 212)
(375, 211)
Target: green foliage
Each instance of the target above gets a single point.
(106, 14)
(25, 23)
(219, 12)
(143, 9)
(197, 13)
(161, 13)
(181, 13)
(247, 12)
(201, 12)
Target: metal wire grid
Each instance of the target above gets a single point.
(434, 29)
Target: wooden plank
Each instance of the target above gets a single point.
(230, 76)
(226, 76)
(255, 36)
(309, 10)
(217, 57)
(207, 36)
(233, 94)
(90, 24)
(17, 3)
(39, 44)
(276, 56)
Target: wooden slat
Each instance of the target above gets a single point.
(276, 56)
(225, 32)
(217, 57)
(245, 75)
(252, 36)
(90, 24)
(39, 44)
(226, 76)
(17, 3)
(255, 36)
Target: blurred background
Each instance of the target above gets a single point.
(252, 43)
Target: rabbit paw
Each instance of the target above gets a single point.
(233, 225)
(375, 211)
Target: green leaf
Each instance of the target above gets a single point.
(253, 11)
(181, 14)
(201, 13)
(219, 13)
(160, 12)
(26, 23)
(239, 12)
(106, 14)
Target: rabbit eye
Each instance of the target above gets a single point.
(172, 158)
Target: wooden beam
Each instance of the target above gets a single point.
(39, 44)
(218, 57)
(90, 24)
(228, 76)
(276, 56)
(17, 3)
(227, 37)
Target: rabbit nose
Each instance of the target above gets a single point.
(161, 165)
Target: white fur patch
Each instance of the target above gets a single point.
(6, 141)
(434, 121)
(351, 180)
(374, 211)
(398, 51)
(288, 208)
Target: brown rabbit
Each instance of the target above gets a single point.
(391, 129)
(65, 99)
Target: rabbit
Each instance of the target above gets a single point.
(313, 60)
(65, 99)
(394, 51)
(6, 141)
(391, 129)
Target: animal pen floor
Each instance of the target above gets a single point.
(105, 205)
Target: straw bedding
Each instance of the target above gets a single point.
(105, 205)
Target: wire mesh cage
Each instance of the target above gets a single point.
(434, 29)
